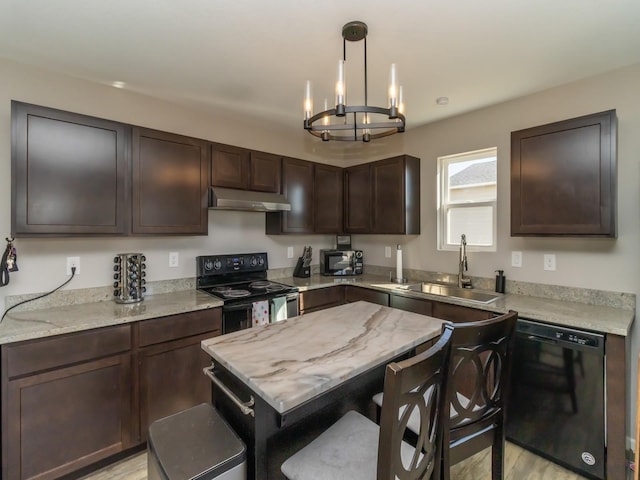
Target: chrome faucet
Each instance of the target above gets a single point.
(463, 264)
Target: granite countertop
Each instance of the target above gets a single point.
(292, 361)
(599, 318)
(27, 325)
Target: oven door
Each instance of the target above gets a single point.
(238, 316)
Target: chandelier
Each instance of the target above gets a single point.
(354, 123)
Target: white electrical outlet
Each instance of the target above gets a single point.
(516, 259)
(73, 262)
(289, 252)
(174, 259)
(550, 262)
(387, 252)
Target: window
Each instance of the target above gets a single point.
(467, 193)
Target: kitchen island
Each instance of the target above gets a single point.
(303, 373)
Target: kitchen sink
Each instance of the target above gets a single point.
(468, 294)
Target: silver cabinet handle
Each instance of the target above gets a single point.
(243, 406)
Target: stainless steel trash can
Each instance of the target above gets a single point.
(195, 444)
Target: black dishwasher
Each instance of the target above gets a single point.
(556, 407)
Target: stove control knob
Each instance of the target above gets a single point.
(253, 261)
(208, 265)
(260, 261)
(217, 264)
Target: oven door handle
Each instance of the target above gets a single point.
(243, 406)
(237, 306)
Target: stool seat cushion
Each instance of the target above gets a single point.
(346, 450)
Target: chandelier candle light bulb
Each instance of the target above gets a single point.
(340, 90)
(358, 122)
(308, 101)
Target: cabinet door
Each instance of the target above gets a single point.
(357, 199)
(297, 186)
(171, 379)
(354, 294)
(395, 185)
(563, 178)
(65, 419)
(387, 185)
(69, 173)
(328, 199)
(265, 172)
(229, 166)
(170, 183)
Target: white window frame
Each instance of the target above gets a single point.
(444, 205)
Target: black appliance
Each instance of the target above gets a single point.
(341, 262)
(240, 280)
(556, 407)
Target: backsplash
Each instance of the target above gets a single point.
(622, 300)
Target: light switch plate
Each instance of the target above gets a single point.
(289, 252)
(550, 262)
(174, 259)
(387, 252)
(516, 259)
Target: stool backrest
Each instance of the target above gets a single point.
(479, 379)
(416, 386)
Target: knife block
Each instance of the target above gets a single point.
(301, 271)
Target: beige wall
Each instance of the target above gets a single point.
(590, 263)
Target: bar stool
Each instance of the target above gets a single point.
(355, 448)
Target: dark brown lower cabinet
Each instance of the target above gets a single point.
(423, 307)
(171, 379)
(354, 294)
(170, 363)
(58, 417)
(69, 401)
(314, 300)
(458, 313)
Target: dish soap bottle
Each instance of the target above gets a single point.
(500, 281)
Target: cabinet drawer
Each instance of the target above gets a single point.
(354, 294)
(456, 313)
(54, 352)
(423, 307)
(322, 297)
(179, 326)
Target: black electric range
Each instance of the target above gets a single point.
(240, 281)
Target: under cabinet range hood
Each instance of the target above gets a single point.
(233, 199)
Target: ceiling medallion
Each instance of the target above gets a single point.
(354, 123)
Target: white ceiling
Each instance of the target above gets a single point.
(253, 57)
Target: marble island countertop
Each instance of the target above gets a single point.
(27, 325)
(570, 313)
(290, 362)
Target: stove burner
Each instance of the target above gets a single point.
(232, 293)
(275, 288)
(222, 289)
(260, 284)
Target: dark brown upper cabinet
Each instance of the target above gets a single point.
(170, 183)
(298, 188)
(69, 173)
(563, 178)
(383, 197)
(229, 166)
(357, 199)
(327, 201)
(235, 167)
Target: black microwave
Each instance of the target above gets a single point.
(341, 262)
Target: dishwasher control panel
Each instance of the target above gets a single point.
(558, 334)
